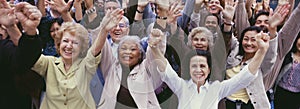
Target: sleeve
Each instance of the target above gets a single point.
(237, 82)
(241, 18)
(42, 64)
(171, 78)
(28, 51)
(270, 57)
(107, 58)
(91, 62)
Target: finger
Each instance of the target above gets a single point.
(4, 4)
(35, 16)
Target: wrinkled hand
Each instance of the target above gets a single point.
(7, 16)
(174, 12)
(262, 40)
(112, 19)
(29, 16)
(229, 10)
(279, 15)
(156, 36)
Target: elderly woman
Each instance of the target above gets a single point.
(68, 77)
(127, 78)
(199, 92)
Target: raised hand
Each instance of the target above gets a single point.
(29, 17)
(156, 36)
(229, 10)
(60, 5)
(7, 16)
(279, 15)
(174, 12)
(262, 40)
(112, 19)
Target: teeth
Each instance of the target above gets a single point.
(126, 58)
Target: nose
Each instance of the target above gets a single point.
(70, 44)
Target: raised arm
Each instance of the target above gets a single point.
(241, 16)
(8, 19)
(29, 48)
(110, 20)
(78, 10)
(156, 40)
(262, 40)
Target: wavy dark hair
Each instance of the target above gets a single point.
(187, 60)
(251, 28)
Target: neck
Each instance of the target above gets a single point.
(199, 84)
(67, 65)
(247, 56)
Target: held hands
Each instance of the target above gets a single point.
(262, 40)
(29, 17)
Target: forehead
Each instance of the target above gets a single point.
(211, 18)
(214, 1)
(198, 59)
(129, 43)
(201, 35)
(111, 4)
(70, 36)
(250, 34)
(262, 17)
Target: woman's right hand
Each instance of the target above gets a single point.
(262, 40)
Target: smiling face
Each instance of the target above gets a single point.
(69, 47)
(200, 41)
(54, 28)
(211, 23)
(249, 42)
(129, 53)
(199, 69)
(212, 6)
(262, 21)
(119, 31)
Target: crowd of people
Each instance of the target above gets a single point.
(150, 54)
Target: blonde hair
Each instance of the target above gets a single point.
(200, 30)
(76, 30)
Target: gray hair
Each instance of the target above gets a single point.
(134, 39)
(199, 30)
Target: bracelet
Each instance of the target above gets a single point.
(92, 10)
(141, 12)
(226, 23)
(163, 18)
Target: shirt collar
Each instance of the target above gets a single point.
(191, 84)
